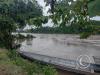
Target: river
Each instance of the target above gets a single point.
(65, 46)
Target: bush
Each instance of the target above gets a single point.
(84, 35)
(30, 36)
(48, 70)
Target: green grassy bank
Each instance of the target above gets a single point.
(11, 63)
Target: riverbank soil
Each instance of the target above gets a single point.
(61, 72)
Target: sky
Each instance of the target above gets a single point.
(45, 8)
(97, 18)
(45, 12)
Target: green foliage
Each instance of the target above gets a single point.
(38, 21)
(6, 27)
(76, 13)
(13, 54)
(62, 30)
(48, 70)
(10, 59)
(30, 36)
(84, 35)
(16, 14)
(22, 12)
(32, 68)
(94, 8)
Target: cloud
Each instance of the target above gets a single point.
(45, 8)
(97, 18)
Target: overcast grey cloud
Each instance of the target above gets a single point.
(45, 8)
(45, 12)
(97, 18)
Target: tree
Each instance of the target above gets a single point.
(94, 8)
(22, 12)
(69, 12)
(13, 14)
(6, 28)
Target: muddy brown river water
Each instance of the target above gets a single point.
(64, 46)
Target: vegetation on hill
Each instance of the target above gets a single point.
(71, 29)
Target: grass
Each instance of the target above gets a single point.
(12, 64)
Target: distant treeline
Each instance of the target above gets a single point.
(72, 29)
(96, 23)
(68, 30)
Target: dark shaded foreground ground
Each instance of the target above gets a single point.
(60, 72)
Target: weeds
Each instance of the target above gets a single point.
(30, 67)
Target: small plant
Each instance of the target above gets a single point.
(12, 54)
(20, 36)
(48, 70)
(30, 36)
(84, 35)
